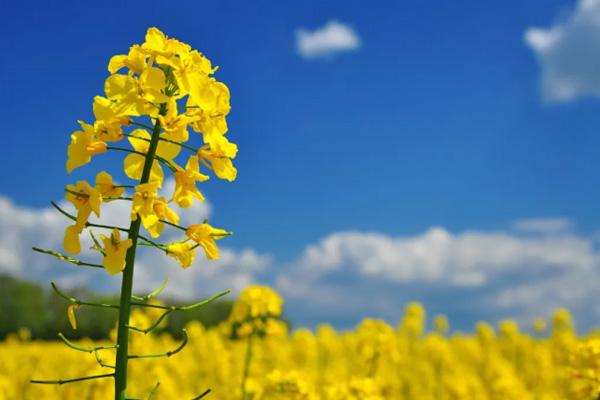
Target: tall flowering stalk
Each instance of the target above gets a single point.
(256, 314)
(154, 93)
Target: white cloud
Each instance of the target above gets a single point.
(468, 258)
(23, 228)
(333, 38)
(543, 225)
(346, 276)
(569, 53)
(493, 271)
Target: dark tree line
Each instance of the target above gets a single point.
(27, 305)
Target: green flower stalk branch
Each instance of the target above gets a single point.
(170, 84)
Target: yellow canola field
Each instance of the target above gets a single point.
(373, 362)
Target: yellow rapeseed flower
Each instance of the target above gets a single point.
(134, 163)
(185, 183)
(107, 188)
(219, 154)
(86, 200)
(84, 145)
(183, 252)
(205, 235)
(115, 251)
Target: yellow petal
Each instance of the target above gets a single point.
(142, 143)
(71, 240)
(133, 165)
(116, 63)
(154, 78)
(71, 315)
(118, 85)
(210, 248)
(167, 150)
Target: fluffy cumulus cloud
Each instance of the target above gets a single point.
(543, 225)
(569, 53)
(473, 274)
(528, 270)
(327, 41)
(44, 228)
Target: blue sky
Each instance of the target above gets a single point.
(443, 119)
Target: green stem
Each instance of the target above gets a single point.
(201, 396)
(183, 308)
(77, 347)
(62, 381)
(127, 282)
(247, 360)
(73, 300)
(166, 354)
(153, 294)
(64, 257)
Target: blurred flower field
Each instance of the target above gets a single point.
(374, 361)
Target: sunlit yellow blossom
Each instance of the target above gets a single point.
(143, 202)
(161, 212)
(205, 235)
(210, 120)
(107, 188)
(137, 96)
(158, 44)
(174, 124)
(83, 146)
(115, 251)
(185, 183)
(192, 72)
(86, 200)
(109, 122)
(183, 252)
(134, 163)
(219, 154)
(135, 61)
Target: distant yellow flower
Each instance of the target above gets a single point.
(115, 251)
(183, 252)
(205, 235)
(539, 325)
(185, 183)
(440, 323)
(83, 146)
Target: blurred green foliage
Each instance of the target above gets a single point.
(27, 305)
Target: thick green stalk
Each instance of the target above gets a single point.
(127, 282)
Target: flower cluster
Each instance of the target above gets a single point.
(257, 312)
(154, 95)
(375, 361)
